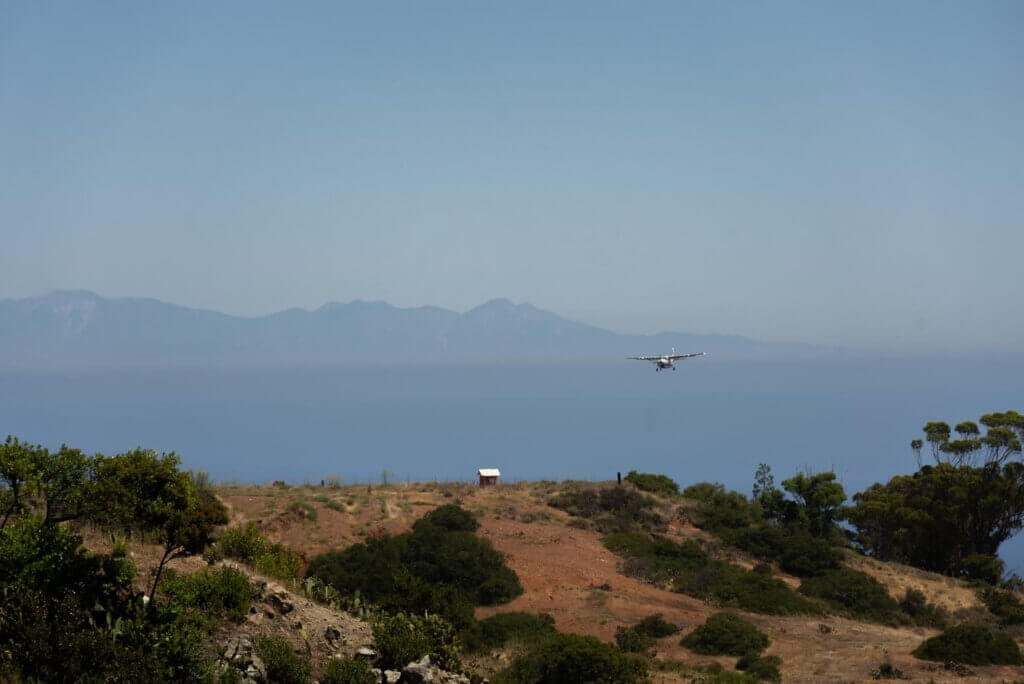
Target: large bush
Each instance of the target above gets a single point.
(689, 570)
(439, 567)
(612, 509)
(641, 636)
(797, 551)
(662, 485)
(726, 634)
(853, 593)
(500, 629)
(970, 645)
(574, 659)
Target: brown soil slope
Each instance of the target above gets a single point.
(568, 573)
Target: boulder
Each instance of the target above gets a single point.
(280, 601)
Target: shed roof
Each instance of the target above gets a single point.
(489, 472)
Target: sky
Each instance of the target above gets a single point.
(820, 172)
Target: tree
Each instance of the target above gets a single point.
(1003, 438)
(141, 491)
(764, 481)
(942, 515)
(820, 499)
(50, 485)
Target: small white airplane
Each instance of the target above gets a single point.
(666, 361)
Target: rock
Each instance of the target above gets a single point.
(257, 670)
(297, 625)
(280, 602)
(392, 676)
(420, 672)
(332, 634)
(366, 652)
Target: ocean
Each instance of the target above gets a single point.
(711, 420)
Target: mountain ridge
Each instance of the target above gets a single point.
(79, 329)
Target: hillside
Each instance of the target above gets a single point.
(568, 573)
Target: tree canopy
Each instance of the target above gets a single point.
(952, 516)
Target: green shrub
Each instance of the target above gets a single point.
(448, 517)
(982, 567)
(433, 568)
(721, 511)
(970, 645)
(612, 509)
(797, 551)
(655, 484)
(278, 562)
(221, 593)
(765, 668)
(691, 571)
(403, 638)
(632, 640)
(726, 634)
(574, 659)
(656, 626)
(642, 635)
(920, 612)
(702, 491)
(242, 543)
(284, 666)
(853, 593)
(500, 629)
(1003, 604)
(348, 671)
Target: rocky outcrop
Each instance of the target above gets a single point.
(421, 672)
(238, 654)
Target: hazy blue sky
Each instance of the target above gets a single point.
(820, 171)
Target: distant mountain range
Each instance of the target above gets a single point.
(81, 330)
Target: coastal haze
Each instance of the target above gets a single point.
(370, 392)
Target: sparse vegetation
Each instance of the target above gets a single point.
(726, 634)
(971, 645)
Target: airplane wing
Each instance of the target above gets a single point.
(676, 357)
(644, 358)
